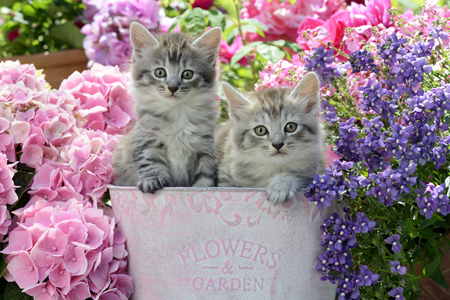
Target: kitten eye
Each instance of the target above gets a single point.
(187, 74)
(160, 73)
(260, 130)
(290, 127)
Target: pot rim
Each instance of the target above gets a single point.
(191, 189)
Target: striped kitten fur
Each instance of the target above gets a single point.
(273, 139)
(174, 84)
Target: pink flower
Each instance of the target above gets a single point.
(13, 35)
(283, 18)
(203, 4)
(374, 12)
(20, 130)
(41, 291)
(226, 51)
(23, 269)
(318, 32)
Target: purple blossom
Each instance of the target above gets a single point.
(437, 33)
(394, 241)
(347, 288)
(107, 38)
(391, 48)
(397, 268)
(329, 112)
(397, 293)
(366, 277)
(320, 61)
(362, 61)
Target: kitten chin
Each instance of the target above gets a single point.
(273, 139)
(174, 85)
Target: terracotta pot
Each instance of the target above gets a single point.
(429, 289)
(57, 66)
(221, 243)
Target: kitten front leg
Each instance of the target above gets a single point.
(283, 187)
(151, 166)
(206, 173)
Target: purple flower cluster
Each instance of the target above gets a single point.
(107, 38)
(392, 47)
(326, 188)
(436, 32)
(373, 99)
(362, 61)
(432, 199)
(347, 145)
(338, 237)
(329, 111)
(320, 61)
(407, 65)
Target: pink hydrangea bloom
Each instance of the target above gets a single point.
(102, 101)
(58, 239)
(64, 251)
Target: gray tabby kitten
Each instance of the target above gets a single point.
(174, 84)
(273, 139)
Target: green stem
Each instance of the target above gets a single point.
(244, 42)
(443, 51)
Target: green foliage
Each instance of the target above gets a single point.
(22, 178)
(14, 292)
(36, 26)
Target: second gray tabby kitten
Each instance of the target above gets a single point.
(174, 84)
(273, 139)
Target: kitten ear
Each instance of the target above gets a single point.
(141, 38)
(237, 103)
(210, 42)
(306, 93)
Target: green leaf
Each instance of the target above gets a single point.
(228, 5)
(249, 28)
(255, 22)
(175, 22)
(294, 46)
(428, 233)
(243, 52)
(22, 179)
(432, 266)
(14, 292)
(230, 37)
(271, 53)
(439, 278)
(427, 222)
(8, 3)
(195, 22)
(216, 18)
(230, 26)
(69, 34)
(3, 264)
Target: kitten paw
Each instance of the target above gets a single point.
(280, 192)
(151, 185)
(204, 182)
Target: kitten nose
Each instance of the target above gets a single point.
(173, 89)
(278, 146)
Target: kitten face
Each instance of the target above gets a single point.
(277, 126)
(174, 67)
(275, 129)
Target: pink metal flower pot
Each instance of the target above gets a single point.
(221, 243)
